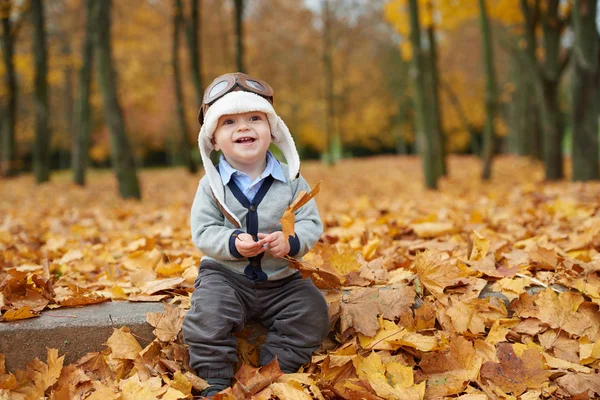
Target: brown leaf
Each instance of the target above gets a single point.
(575, 383)
(252, 380)
(95, 366)
(45, 375)
(167, 324)
(396, 301)
(515, 374)
(359, 310)
(448, 372)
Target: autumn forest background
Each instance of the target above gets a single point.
(456, 142)
(511, 76)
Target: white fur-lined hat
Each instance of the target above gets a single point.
(238, 102)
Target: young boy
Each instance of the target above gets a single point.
(235, 223)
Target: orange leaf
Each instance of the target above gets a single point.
(288, 220)
(21, 313)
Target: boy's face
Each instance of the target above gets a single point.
(243, 138)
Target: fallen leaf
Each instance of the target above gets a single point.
(167, 324)
(21, 313)
(123, 344)
(515, 374)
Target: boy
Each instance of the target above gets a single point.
(235, 223)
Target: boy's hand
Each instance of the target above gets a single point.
(247, 247)
(276, 242)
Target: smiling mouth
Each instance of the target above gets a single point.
(245, 140)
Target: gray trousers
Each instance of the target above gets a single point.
(292, 309)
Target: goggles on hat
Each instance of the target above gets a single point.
(231, 82)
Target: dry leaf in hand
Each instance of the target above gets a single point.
(288, 220)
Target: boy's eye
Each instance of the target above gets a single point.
(255, 118)
(228, 122)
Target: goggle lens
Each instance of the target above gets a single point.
(255, 85)
(218, 88)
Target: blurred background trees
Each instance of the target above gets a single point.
(350, 79)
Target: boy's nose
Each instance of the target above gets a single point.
(242, 126)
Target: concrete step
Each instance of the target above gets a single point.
(73, 331)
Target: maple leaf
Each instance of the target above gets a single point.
(82, 299)
(396, 301)
(21, 313)
(559, 311)
(576, 383)
(435, 273)
(133, 389)
(167, 324)
(252, 380)
(95, 366)
(161, 284)
(473, 315)
(123, 344)
(288, 220)
(103, 392)
(448, 372)
(515, 374)
(7, 381)
(46, 374)
(357, 311)
(372, 370)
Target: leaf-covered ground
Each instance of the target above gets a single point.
(475, 291)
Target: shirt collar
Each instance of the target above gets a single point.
(273, 168)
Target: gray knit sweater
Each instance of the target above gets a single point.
(215, 236)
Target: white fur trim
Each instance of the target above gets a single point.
(236, 103)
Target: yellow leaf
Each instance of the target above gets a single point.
(123, 344)
(481, 246)
(173, 394)
(181, 384)
(45, 375)
(21, 313)
(432, 229)
(102, 392)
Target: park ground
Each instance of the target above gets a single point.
(479, 289)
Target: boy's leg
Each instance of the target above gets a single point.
(295, 313)
(217, 310)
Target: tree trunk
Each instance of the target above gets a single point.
(8, 158)
(121, 152)
(440, 148)
(239, 35)
(41, 150)
(333, 146)
(423, 125)
(184, 143)
(552, 121)
(83, 117)
(192, 28)
(585, 89)
(490, 96)
(68, 106)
